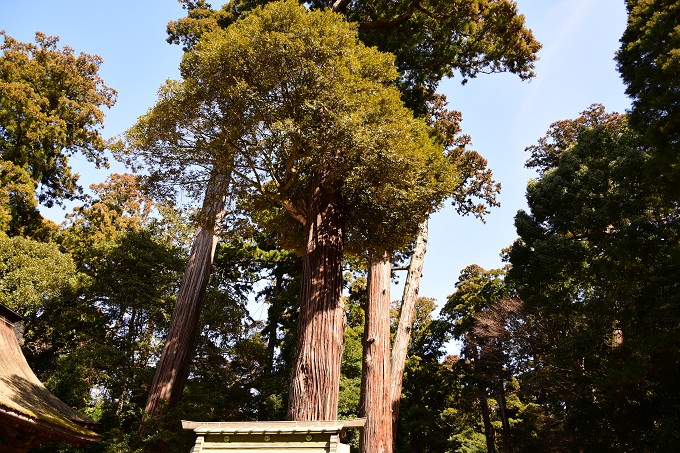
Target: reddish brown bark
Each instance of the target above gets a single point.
(316, 375)
(173, 367)
(403, 334)
(375, 405)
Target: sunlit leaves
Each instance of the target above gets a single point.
(50, 109)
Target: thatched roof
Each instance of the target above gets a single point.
(29, 413)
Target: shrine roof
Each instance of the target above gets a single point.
(25, 402)
(273, 427)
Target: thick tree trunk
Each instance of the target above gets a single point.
(375, 405)
(316, 375)
(173, 368)
(403, 334)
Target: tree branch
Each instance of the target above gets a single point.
(383, 24)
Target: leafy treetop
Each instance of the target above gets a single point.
(431, 39)
(649, 63)
(286, 100)
(50, 109)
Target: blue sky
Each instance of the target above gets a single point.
(502, 114)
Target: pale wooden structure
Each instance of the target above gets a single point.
(31, 415)
(271, 437)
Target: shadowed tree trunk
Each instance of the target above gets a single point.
(316, 375)
(403, 334)
(273, 318)
(502, 407)
(375, 405)
(173, 367)
(489, 431)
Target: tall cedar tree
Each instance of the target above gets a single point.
(299, 115)
(474, 194)
(594, 265)
(472, 37)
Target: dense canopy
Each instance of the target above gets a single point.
(50, 109)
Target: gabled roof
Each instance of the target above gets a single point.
(27, 409)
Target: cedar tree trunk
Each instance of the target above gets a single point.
(173, 368)
(403, 334)
(375, 405)
(316, 375)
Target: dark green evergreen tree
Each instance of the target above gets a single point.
(649, 63)
(594, 266)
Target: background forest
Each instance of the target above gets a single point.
(572, 346)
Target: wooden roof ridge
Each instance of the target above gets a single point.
(26, 402)
(272, 436)
(272, 427)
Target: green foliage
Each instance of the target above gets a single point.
(200, 19)
(648, 61)
(285, 100)
(431, 40)
(19, 214)
(42, 284)
(488, 321)
(476, 290)
(352, 355)
(35, 277)
(561, 135)
(100, 338)
(132, 274)
(593, 265)
(118, 206)
(435, 39)
(233, 84)
(244, 262)
(470, 441)
(430, 387)
(50, 109)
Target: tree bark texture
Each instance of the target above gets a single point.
(375, 405)
(316, 374)
(173, 367)
(403, 334)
